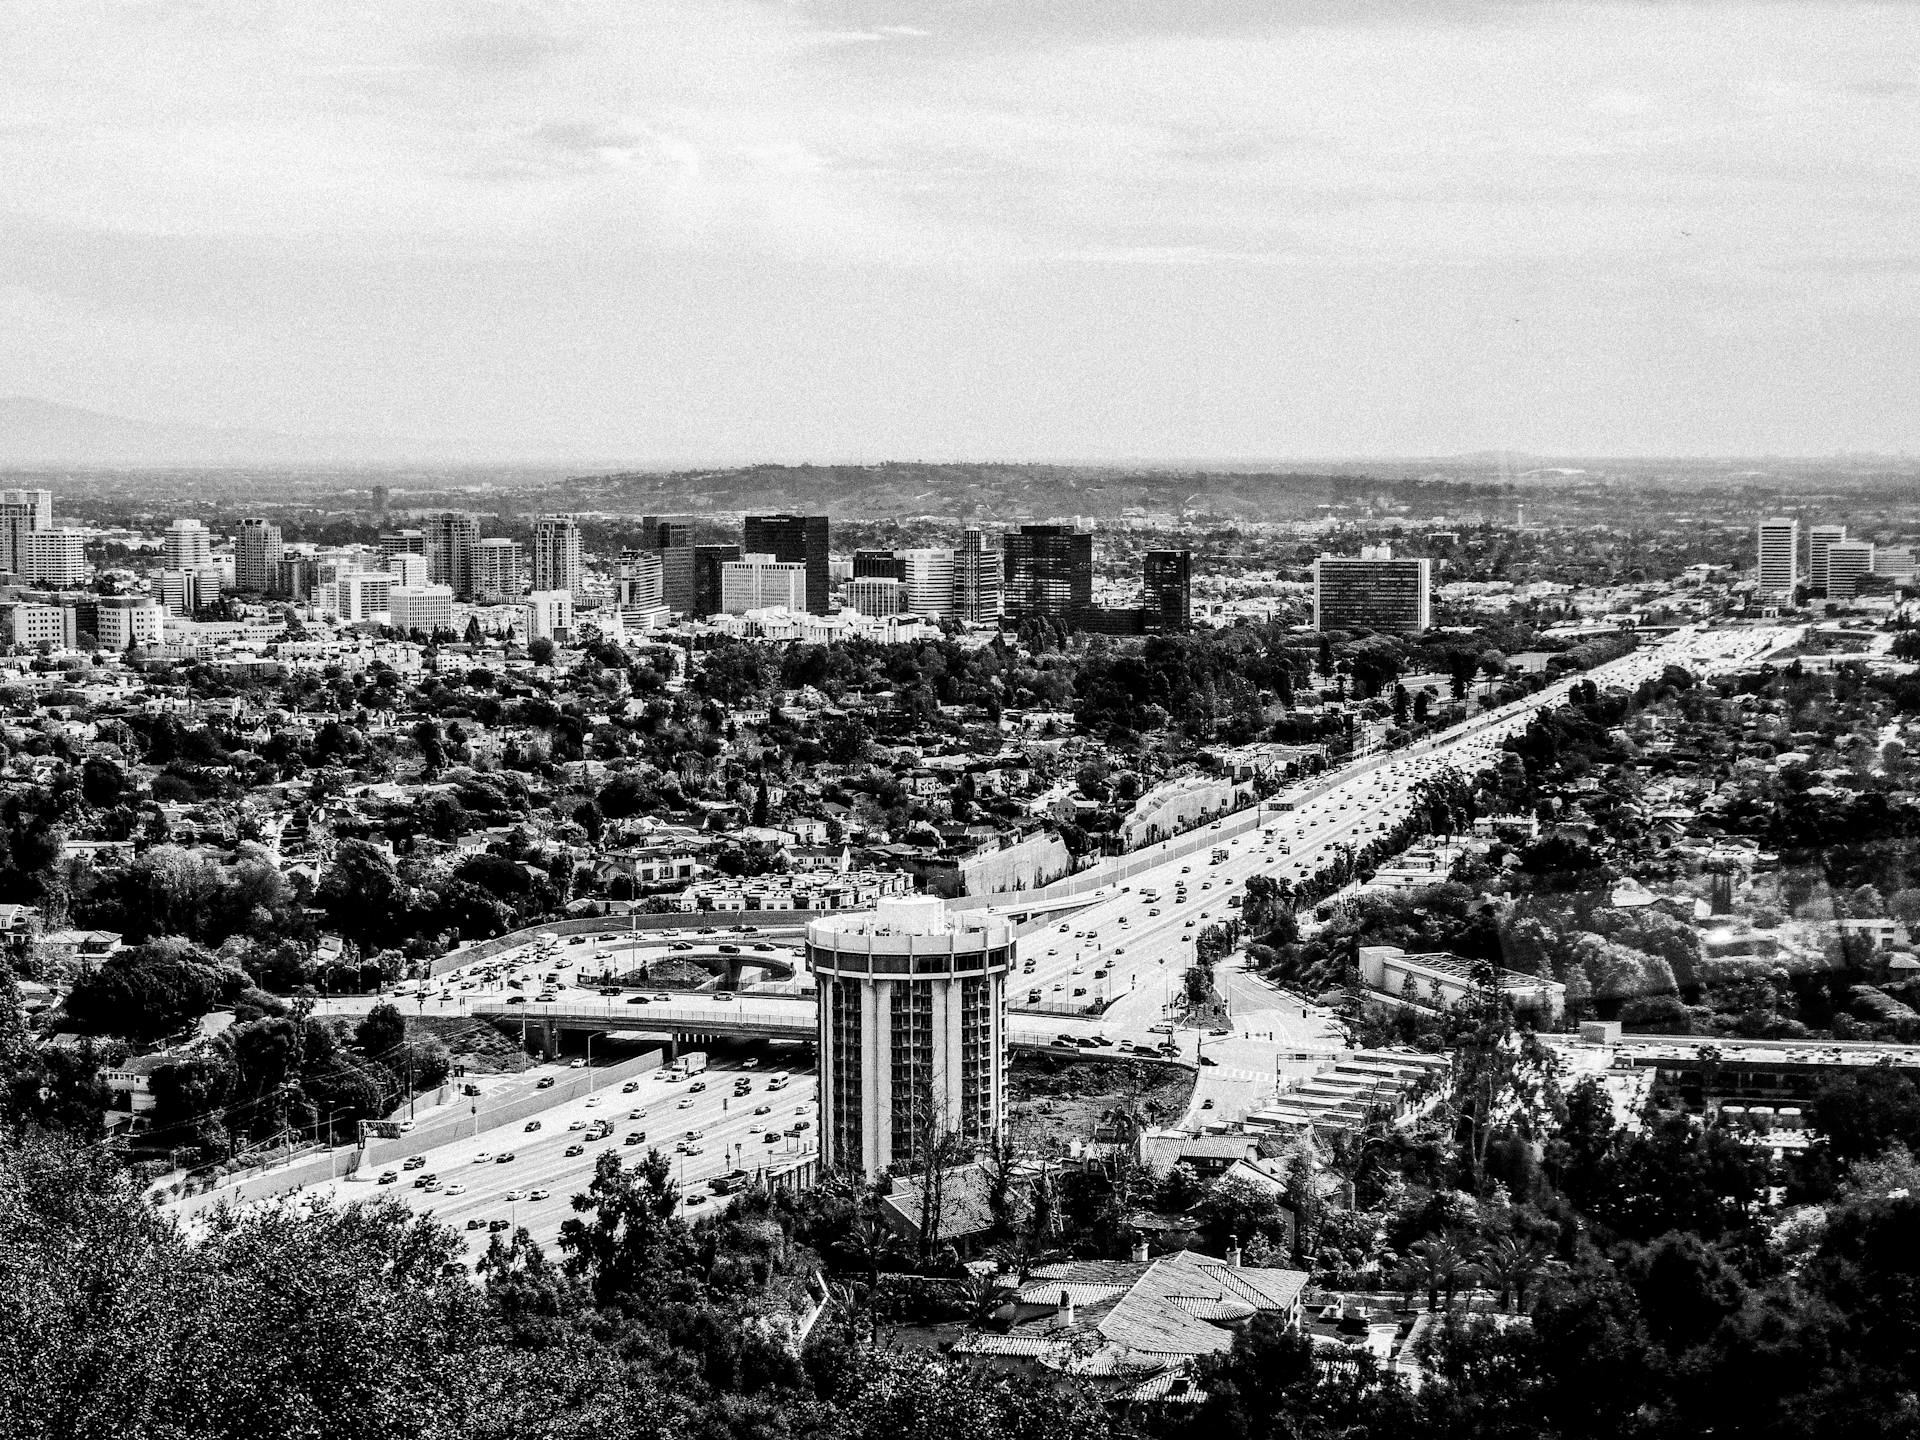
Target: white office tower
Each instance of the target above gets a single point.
(928, 576)
(125, 621)
(876, 595)
(497, 568)
(256, 550)
(362, 595)
(407, 569)
(181, 593)
(22, 512)
(549, 615)
(557, 563)
(1819, 540)
(1779, 558)
(56, 558)
(912, 1032)
(1847, 562)
(425, 608)
(187, 545)
(760, 582)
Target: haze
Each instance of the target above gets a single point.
(816, 231)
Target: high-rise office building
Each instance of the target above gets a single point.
(187, 545)
(22, 512)
(977, 577)
(1372, 591)
(452, 542)
(760, 582)
(1820, 539)
(928, 576)
(878, 565)
(294, 577)
(1779, 557)
(664, 532)
(123, 621)
(181, 593)
(643, 576)
(1049, 571)
(1847, 562)
(425, 608)
(362, 594)
(876, 595)
(1168, 581)
(709, 564)
(56, 558)
(793, 540)
(407, 569)
(912, 1031)
(256, 546)
(402, 542)
(557, 562)
(497, 568)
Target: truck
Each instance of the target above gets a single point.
(694, 1062)
(1219, 854)
(1149, 893)
(777, 1080)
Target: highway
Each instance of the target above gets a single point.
(534, 1189)
(1129, 944)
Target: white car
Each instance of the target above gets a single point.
(483, 1157)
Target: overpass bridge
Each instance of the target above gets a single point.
(747, 1017)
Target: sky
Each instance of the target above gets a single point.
(965, 229)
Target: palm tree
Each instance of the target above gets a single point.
(1439, 1263)
(1511, 1266)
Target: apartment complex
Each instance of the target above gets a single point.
(1373, 591)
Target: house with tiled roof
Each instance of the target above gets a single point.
(1126, 1325)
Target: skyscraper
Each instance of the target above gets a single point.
(709, 561)
(452, 540)
(557, 563)
(187, 545)
(256, 546)
(1819, 539)
(497, 568)
(793, 540)
(1168, 579)
(912, 1038)
(877, 565)
(977, 577)
(1779, 557)
(928, 576)
(22, 512)
(1373, 591)
(760, 582)
(1847, 562)
(1049, 571)
(402, 542)
(56, 558)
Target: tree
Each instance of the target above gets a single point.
(381, 1031)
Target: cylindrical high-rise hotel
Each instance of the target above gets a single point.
(912, 1031)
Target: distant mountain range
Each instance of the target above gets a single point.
(42, 432)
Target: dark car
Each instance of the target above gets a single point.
(516, 999)
(545, 1082)
(505, 1157)
(637, 1000)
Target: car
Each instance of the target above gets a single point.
(609, 989)
(696, 1150)
(772, 1137)
(803, 1125)
(494, 1227)
(1065, 928)
(686, 1102)
(1208, 1060)
(475, 1222)
(593, 1102)
(636, 1000)
(505, 1157)
(662, 999)
(801, 1109)
(1077, 970)
(456, 1190)
(422, 1182)
(548, 997)
(635, 1137)
(1163, 1028)
(696, 1087)
(1079, 990)
(639, 1112)
(1033, 997)
(1068, 1040)
(1207, 1104)
(762, 946)
(1189, 925)
(1154, 911)
(723, 995)
(695, 1198)
(681, 945)
(1186, 869)
(415, 1162)
(387, 1177)
(513, 1195)
(629, 1087)
(483, 1157)
(577, 1124)
(576, 1149)
(516, 999)
(762, 1109)
(729, 949)
(539, 1195)
(1099, 974)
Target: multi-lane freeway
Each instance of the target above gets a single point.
(1127, 945)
